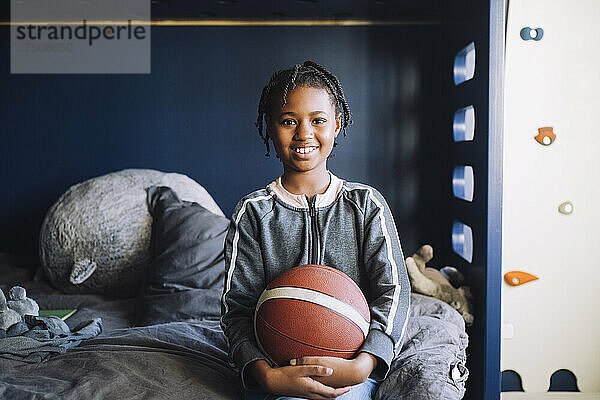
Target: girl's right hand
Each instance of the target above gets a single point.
(296, 381)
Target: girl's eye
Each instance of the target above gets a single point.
(287, 122)
(319, 121)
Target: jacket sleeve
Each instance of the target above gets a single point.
(244, 283)
(390, 288)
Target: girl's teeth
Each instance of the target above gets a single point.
(304, 150)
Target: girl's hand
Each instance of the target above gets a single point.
(345, 372)
(296, 381)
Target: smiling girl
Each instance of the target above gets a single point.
(310, 216)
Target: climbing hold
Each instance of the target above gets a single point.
(528, 33)
(565, 208)
(516, 278)
(545, 136)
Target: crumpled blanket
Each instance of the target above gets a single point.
(35, 339)
(432, 361)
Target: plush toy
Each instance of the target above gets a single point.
(431, 282)
(8, 317)
(21, 303)
(96, 237)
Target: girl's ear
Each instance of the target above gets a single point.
(338, 125)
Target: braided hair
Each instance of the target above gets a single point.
(308, 74)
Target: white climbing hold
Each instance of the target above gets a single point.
(565, 208)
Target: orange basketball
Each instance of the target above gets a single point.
(311, 310)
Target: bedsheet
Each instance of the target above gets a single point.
(188, 360)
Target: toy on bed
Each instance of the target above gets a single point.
(21, 303)
(8, 316)
(18, 305)
(431, 282)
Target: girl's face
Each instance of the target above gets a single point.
(303, 131)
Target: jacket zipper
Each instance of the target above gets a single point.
(315, 231)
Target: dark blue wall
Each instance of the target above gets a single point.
(194, 114)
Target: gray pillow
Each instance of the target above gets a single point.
(96, 237)
(184, 279)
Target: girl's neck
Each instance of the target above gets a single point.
(310, 183)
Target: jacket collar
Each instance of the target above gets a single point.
(300, 200)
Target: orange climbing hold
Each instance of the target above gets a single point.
(516, 278)
(545, 136)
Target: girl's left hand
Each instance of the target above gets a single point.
(345, 372)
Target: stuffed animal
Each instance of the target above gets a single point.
(21, 303)
(431, 282)
(96, 237)
(8, 317)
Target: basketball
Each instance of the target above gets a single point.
(311, 310)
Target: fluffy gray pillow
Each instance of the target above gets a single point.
(96, 237)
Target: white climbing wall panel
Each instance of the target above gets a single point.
(553, 322)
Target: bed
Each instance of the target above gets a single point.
(188, 360)
(166, 342)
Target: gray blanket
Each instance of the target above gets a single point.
(432, 361)
(187, 360)
(35, 339)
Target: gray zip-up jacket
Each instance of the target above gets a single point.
(349, 227)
